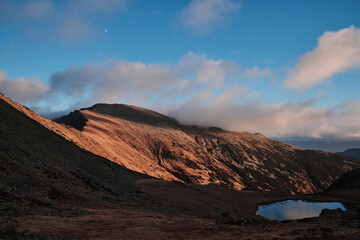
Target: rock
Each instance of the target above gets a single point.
(351, 218)
(8, 189)
(357, 209)
(327, 229)
(331, 213)
(298, 232)
(141, 194)
(7, 230)
(2, 186)
(11, 209)
(231, 218)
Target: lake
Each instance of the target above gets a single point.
(295, 209)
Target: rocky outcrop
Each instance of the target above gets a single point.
(331, 213)
(235, 218)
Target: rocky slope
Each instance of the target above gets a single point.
(159, 146)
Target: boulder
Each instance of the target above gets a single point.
(7, 230)
(351, 217)
(2, 186)
(232, 217)
(331, 213)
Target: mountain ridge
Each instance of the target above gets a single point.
(53, 187)
(206, 155)
(172, 151)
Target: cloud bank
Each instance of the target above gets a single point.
(273, 120)
(140, 83)
(336, 52)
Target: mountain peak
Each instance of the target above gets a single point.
(156, 145)
(131, 113)
(134, 114)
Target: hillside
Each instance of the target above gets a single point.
(37, 164)
(159, 146)
(156, 145)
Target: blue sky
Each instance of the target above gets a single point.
(288, 69)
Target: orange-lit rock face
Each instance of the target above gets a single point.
(151, 143)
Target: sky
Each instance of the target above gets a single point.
(287, 69)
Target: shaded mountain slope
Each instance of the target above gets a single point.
(352, 152)
(349, 180)
(39, 168)
(156, 145)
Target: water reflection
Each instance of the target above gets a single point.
(292, 209)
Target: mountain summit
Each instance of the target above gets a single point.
(158, 146)
(122, 111)
(154, 144)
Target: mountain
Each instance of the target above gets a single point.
(352, 152)
(154, 144)
(51, 187)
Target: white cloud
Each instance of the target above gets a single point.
(205, 15)
(212, 71)
(256, 72)
(205, 69)
(336, 52)
(23, 89)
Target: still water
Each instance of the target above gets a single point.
(292, 209)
